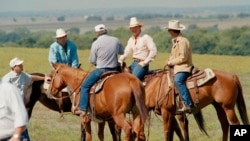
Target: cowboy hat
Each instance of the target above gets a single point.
(15, 61)
(60, 33)
(134, 22)
(175, 25)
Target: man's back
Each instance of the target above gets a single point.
(104, 51)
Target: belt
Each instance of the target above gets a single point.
(137, 60)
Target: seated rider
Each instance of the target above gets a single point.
(104, 55)
(143, 48)
(181, 60)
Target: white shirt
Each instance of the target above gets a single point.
(143, 48)
(22, 81)
(12, 110)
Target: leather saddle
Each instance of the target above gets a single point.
(97, 87)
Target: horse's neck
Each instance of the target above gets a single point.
(75, 79)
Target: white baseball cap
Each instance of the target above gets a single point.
(15, 61)
(100, 27)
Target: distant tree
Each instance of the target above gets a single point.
(33, 19)
(61, 18)
(14, 20)
(74, 30)
(94, 18)
(111, 18)
(243, 15)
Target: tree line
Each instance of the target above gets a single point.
(209, 40)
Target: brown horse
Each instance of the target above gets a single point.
(223, 92)
(62, 105)
(121, 94)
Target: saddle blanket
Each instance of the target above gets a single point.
(209, 75)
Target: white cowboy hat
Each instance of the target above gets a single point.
(175, 25)
(100, 27)
(60, 33)
(15, 61)
(134, 22)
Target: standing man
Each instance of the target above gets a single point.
(181, 60)
(104, 55)
(22, 81)
(143, 48)
(63, 50)
(13, 115)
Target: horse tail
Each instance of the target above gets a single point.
(241, 103)
(139, 95)
(200, 121)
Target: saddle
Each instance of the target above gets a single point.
(97, 87)
(195, 80)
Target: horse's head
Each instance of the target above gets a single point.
(57, 81)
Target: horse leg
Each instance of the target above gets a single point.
(121, 121)
(223, 120)
(115, 130)
(184, 126)
(138, 128)
(167, 118)
(85, 121)
(101, 131)
(83, 133)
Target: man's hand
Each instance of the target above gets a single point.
(47, 79)
(142, 64)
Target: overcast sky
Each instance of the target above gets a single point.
(44, 5)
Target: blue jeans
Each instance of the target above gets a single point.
(91, 79)
(138, 71)
(180, 83)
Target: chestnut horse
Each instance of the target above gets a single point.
(223, 92)
(61, 105)
(122, 93)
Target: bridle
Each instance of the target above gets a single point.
(73, 93)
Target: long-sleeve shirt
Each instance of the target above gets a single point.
(143, 48)
(181, 55)
(57, 54)
(104, 51)
(12, 110)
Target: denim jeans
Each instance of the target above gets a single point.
(180, 83)
(138, 71)
(91, 79)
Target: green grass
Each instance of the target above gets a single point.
(46, 125)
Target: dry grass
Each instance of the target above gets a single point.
(46, 125)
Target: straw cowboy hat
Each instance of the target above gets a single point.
(134, 22)
(15, 61)
(175, 25)
(60, 33)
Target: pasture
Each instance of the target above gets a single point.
(46, 125)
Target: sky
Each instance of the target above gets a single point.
(45, 5)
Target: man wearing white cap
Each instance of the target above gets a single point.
(143, 48)
(21, 80)
(104, 55)
(63, 50)
(181, 61)
(13, 115)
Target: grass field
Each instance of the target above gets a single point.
(46, 125)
